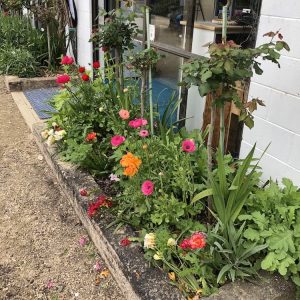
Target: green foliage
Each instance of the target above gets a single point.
(228, 64)
(176, 182)
(118, 31)
(19, 62)
(144, 60)
(273, 218)
(23, 48)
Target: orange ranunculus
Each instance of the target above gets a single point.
(131, 164)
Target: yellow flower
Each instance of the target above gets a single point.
(172, 276)
(145, 146)
(171, 242)
(157, 256)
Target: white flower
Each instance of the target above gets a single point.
(45, 134)
(160, 174)
(59, 135)
(149, 240)
(125, 90)
(51, 132)
(54, 124)
(171, 242)
(42, 29)
(51, 140)
(114, 177)
(101, 109)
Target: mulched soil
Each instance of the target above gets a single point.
(40, 255)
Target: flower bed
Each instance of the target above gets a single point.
(197, 212)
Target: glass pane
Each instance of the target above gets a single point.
(166, 16)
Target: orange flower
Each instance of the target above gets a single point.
(131, 164)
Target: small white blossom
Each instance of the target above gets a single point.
(171, 242)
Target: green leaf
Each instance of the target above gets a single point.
(202, 195)
(284, 264)
(296, 279)
(224, 270)
(269, 261)
(251, 234)
(282, 241)
(204, 89)
(206, 75)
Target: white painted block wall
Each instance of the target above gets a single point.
(279, 121)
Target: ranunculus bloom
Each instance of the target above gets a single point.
(198, 240)
(125, 242)
(143, 133)
(62, 79)
(131, 164)
(188, 146)
(85, 77)
(149, 241)
(124, 114)
(185, 244)
(81, 69)
(117, 140)
(137, 123)
(91, 137)
(67, 60)
(148, 187)
(83, 192)
(96, 64)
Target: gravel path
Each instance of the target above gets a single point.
(40, 254)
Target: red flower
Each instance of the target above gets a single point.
(148, 188)
(101, 201)
(83, 192)
(188, 146)
(62, 79)
(198, 240)
(91, 137)
(85, 77)
(105, 48)
(96, 64)
(81, 69)
(67, 60)
(185, 244)
(125, 242)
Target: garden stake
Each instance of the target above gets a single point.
(150, 70)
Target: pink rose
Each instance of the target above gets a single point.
(148, 187)
(188, 146)
(124, 114)
(117, 140)
(144, 133)
(67, 60)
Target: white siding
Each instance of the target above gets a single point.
(278, 123)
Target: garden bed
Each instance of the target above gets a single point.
(136, 279)
(17, 84)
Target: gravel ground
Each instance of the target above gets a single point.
(40, 254)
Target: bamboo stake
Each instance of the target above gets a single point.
(150, 70)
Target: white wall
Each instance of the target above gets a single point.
(279, 121)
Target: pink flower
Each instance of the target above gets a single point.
(82, 241)
(67, 60)
(50, 284)
(117, 140)
(124, 114)
(97, 266)
(114, 177)
(137, 123)
(62, 79)
(188, 146)
(125, 242)
(148, 187)
(143, 133)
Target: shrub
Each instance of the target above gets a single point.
(19, 62)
